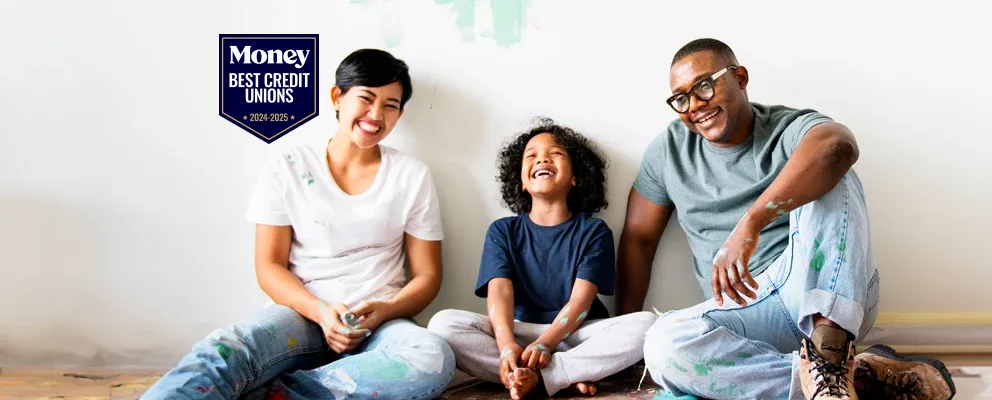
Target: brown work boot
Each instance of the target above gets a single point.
(881, 373)
(826, 366)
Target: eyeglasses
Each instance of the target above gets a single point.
(702, 90)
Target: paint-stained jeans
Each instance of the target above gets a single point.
(733, 352)
(279, 354)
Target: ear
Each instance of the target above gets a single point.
(573, 181)
(335, 96)
(742, 76)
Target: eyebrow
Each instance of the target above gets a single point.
(695, 80)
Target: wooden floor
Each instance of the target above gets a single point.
(967, 370)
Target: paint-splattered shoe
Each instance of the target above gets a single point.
(882, 373)
(826, 365)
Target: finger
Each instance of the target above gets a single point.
(545, 358)
(725, 285)
(532, 361)
(716, 286)
(362, 309)
(750, 279)
(738, 283)
(512, 361)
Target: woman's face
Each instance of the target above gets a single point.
(368, 114)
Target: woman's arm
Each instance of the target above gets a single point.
(272, 244)
(425, 282)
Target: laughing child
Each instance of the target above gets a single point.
(541, 271)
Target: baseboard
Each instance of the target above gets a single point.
(934, 319)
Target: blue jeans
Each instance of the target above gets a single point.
(279, 354)
(729, 351)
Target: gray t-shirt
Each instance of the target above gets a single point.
(712, 187)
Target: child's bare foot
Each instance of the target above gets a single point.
(522, 382)
(585, 388)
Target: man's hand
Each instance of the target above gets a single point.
(339, 336)
(536, 356)
(508, 357)
(730, 266)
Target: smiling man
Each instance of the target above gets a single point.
(778, 226)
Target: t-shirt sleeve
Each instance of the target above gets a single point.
(598, 260)
(496, 261)
(424, 221)
(796, 130)
(267, 205)
(650, 181)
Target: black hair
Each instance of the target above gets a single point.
(588, 167)
(706, 44)
(373, 68)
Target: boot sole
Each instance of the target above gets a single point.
(888, 352)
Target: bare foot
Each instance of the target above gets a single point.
(585, 388)
(522, 382)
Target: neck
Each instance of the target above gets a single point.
(546, 212)
(342, 151)
(744, 128)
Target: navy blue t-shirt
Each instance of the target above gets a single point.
(544, 261)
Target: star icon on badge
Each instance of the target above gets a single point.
(292, 117)
(245, 117)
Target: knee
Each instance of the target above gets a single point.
(432, 359)
(664, 347)
(447, 323)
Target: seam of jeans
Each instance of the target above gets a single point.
(840, 259)
(792, 324)
(748, 342)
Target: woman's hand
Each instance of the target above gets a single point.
(371, 314)
(341, 337)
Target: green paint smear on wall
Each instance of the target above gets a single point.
(508, 21)
(381, 366)
(465, 21)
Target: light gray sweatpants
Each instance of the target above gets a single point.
(596, 350)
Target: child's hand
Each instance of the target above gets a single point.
(508, 357)
(537, 355)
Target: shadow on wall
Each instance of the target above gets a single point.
(449, 142)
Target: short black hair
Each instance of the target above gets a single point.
(705, 44)
(588, 167)
(373, 68)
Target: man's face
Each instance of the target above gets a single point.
(716, 118)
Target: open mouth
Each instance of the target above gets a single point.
(370, 128)
(543, 173)
(706, 116)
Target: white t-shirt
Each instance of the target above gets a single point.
(346, 248)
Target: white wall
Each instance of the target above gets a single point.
(122, 191)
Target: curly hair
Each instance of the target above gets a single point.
(588, 167)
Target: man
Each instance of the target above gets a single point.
(779, 230)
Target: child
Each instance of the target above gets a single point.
(541, 271)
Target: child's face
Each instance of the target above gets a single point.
(547, 168)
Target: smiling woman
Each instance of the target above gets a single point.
(340, 319)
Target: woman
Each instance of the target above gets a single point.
(333, 226)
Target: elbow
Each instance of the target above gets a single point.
(841, 153)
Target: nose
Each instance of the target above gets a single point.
(375, 111)
(695, 104)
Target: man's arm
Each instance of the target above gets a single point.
(642, 229)
(822, 157)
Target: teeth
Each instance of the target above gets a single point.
(707, 118)
(543, 172)
(367, 126)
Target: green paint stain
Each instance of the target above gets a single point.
(722, 363)
(781, 212)
(583, 315)
(701, 370)
(271, 328)
(563, 321)
(566, 335)
(673, 364)
(464, 16)
(771, 204)
(223, 351)
(508, 21)
(505, 353)
(541, 347)
(306, 176)
(743, 355)
(729, 390)
(842, 246)
(381, 366)
(816, 262)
